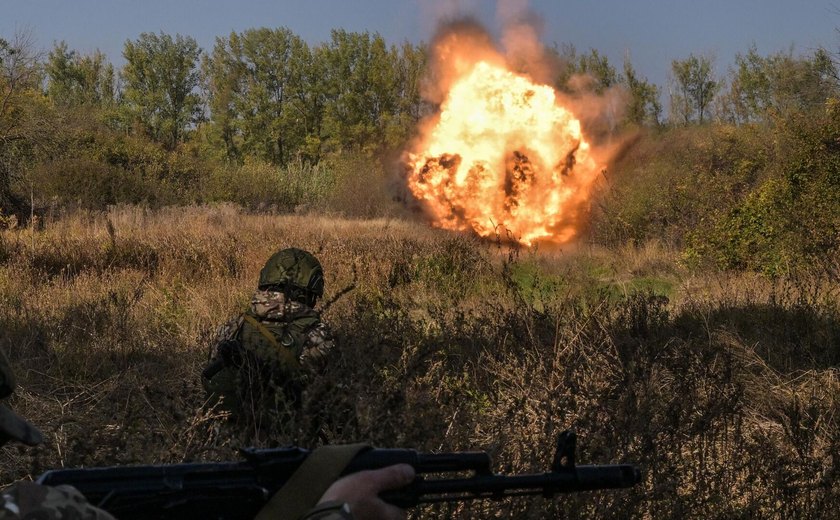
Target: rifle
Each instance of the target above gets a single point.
(238, 490)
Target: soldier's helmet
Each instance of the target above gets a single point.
(296, 273)
(12, 426)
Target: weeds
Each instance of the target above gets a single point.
(723, 388)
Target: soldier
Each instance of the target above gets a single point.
(261, 359)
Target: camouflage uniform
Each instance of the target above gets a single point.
(268, 353)
(262, 359)
(298, 327)
(30, 501)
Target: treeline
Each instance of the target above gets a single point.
(757, 89)
(739, 170)
(176, 117)
(262, 93)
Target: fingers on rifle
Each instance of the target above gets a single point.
(391, 477)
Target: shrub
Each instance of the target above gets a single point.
(363, 187)
(669, 184)
(258, 184)
(792, 220)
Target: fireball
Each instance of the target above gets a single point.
(503, 157)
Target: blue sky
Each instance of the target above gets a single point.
(652, 33)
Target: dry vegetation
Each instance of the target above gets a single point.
(723, 388)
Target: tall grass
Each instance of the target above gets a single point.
(723, 387)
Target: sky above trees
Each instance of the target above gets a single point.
(651, 33)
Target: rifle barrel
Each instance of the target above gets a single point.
(580, 478)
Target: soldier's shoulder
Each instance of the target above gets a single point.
(228, 330)
(26, 500)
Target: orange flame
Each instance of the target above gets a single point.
(503, 154)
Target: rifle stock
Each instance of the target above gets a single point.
(238, 490)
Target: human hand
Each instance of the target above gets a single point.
(361, 490)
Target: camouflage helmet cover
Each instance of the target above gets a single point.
(293, 267)
(13, 426)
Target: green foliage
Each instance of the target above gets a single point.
(592, 73)
(644, 107)
(262, 185)
(776, 86)
(449, 271)
(159, 82)
(373, 91)
(75, 80)
(792, 221)
(745, 238)
(256, 80)
(599, 67)
(274, 98)
(759, 196)
(536, 287)
(675, 182)
(589, 72)
(93, 168)
(695, 88)
(27, 121)
(294, 127)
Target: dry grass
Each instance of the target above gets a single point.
(725, 391)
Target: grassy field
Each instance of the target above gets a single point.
(722, 387)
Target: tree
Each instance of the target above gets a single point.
(780, 84)
(584, 72)
(273, 97)
(259, 85)
(265, 93)
(76, 80)
(159, 82)
(372, 91)
(565, 57)
(410, 66)
(644, 106)
(695, 88)
(26, 124)
(361, 85)
(598, 67)
(309, 91)
(220, 76)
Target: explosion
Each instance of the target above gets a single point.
(502, 155)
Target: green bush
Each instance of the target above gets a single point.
(756, 197)
(792, 220)
(668, 184)
(258, 184)
(97, 169)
